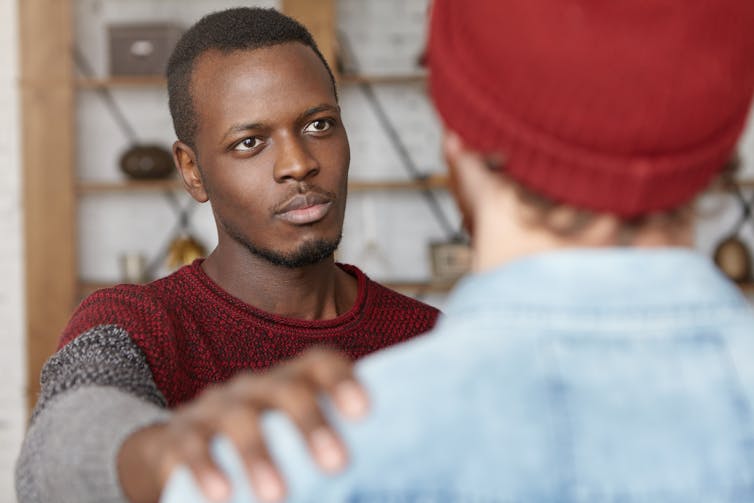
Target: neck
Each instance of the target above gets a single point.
(316, 292)
(501, 235)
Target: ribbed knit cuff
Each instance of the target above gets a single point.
(70, 452)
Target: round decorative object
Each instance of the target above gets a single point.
(733, 258)
(147, 162)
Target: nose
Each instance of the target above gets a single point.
(294, 160)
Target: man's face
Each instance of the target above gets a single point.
(272, 151)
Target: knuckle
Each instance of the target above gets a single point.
(213, 395)
(243, 382)
(321, 355)
(171, 456)
(296, 392)
(193, 441)
(316, 352)
(184, 447)
(339, 365)
(239, 416)
(244, 378)
(252, 448)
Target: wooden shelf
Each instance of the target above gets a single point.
(431, 182)
(721, 185)
(129, 186)
(407, 287)
(160, 81)
(109, 82)
(407, 78)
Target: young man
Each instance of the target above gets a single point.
(260, 137)
(593, 355)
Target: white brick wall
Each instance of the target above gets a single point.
(12, 354)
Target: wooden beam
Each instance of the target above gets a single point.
(319, 17)
(47, 150)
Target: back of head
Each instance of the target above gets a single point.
(237, 29)
(626, 107)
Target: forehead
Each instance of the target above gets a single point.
(265, 80)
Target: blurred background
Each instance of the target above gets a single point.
(85, 201)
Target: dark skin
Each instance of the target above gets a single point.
(270, 129)
(271, 155)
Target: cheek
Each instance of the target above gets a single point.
(334, 156)
(346, 151)
(242, 196)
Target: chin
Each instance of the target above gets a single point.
(310, 252)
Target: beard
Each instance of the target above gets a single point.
(308, 253)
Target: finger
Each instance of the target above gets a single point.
(242, 426)
(298, 399)
(195, 453)
(333, 372)
(351, 399)
(328, 449)
(266, 480)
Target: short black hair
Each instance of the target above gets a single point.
(229, 30)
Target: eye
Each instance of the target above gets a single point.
(319, 126)
(249, 143)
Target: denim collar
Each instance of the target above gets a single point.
(623, 278)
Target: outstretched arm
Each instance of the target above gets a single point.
(101, 430)
(96, 391)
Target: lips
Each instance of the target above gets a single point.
(304, 209)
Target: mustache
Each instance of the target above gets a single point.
(303, 195)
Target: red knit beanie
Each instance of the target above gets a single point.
(621, 106)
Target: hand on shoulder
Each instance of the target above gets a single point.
(234, 408)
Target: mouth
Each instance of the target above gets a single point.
(305, 209)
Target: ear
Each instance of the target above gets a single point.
(185, 160)
(462, 164)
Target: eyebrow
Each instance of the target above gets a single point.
(249, 126)
(324, 107)
(240, 128)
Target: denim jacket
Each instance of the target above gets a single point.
(619, 375)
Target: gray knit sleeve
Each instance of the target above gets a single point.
(96, 391)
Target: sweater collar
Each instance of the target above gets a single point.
(196, 275)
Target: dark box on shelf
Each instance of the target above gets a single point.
(141, 48)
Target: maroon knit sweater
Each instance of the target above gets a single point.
(193, 333)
